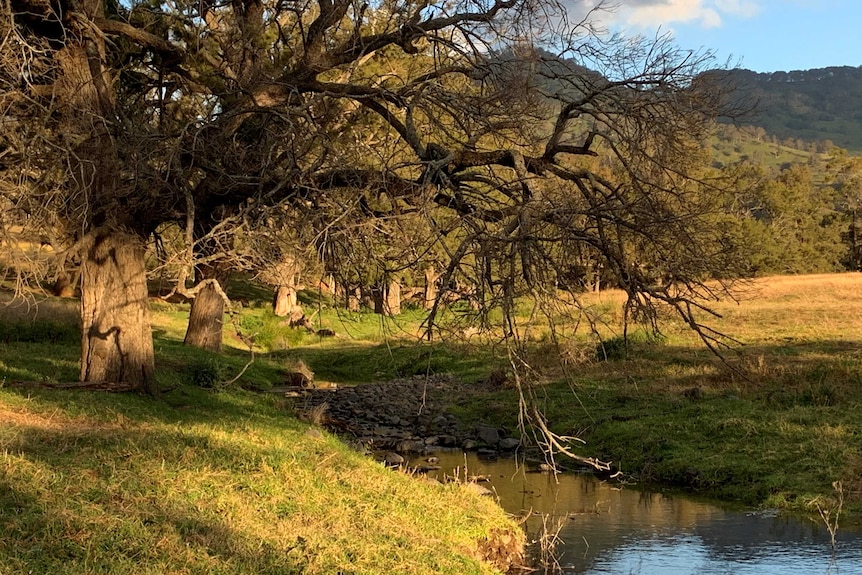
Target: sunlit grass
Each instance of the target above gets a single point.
(774, 422)
(204, 483)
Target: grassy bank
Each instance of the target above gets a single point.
(215, 483)
(779, 431)
(206, 480)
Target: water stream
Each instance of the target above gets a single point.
(606, 529)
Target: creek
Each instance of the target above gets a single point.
(607, 529)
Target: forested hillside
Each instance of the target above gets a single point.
(810, 105)
(794, 159)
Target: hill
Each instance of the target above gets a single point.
(811, 105)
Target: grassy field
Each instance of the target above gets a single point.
(208, 479)
(776, 425)
(229, 481)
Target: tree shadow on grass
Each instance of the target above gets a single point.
(64, 508)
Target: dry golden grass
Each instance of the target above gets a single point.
(814, 307)
(823, 307)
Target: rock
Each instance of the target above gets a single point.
(299, 376)
(360, 445)
(396, 415)
(410, 446)
(488, 434)
(509, 444)
(392, 458)
(487, 454)
(448, 441)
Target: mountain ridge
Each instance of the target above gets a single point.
(813, 105)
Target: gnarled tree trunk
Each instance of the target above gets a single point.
(206, 317)
(117, 340)
(387, 297)
(431, 288)
(354, 299)
(284, 300)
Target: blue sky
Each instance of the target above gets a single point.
(763, 35)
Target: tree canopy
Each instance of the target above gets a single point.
(529, 147)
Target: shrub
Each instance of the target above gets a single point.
(207, 373)
(618, 348)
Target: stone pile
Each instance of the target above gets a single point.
(406, 416)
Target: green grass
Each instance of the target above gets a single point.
(211, 479)
(777, 432)
(777, 446)
(214, 483)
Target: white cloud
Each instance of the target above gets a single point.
(650, 14)
(741, 8)
(669, 12)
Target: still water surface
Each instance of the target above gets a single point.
(627, 531)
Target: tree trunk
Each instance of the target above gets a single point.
(431, 290)
(387, 297)
(377, 295)
(348, 296)
(284, 300)
(117, 339)
(392, 297)
(206, 319)
(206, 316)
(354, 298)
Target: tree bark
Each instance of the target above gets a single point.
(392, 297)
(285, 276)
(206, 316)
(387, 297)
(284, 300)
(354, 299)
(117, 339)
(431, 289)
(206, 319)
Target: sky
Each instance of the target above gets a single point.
(760, 35)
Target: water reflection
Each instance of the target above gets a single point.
(626, 531)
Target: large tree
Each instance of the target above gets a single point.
(122, 117)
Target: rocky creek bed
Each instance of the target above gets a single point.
(405, 417)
